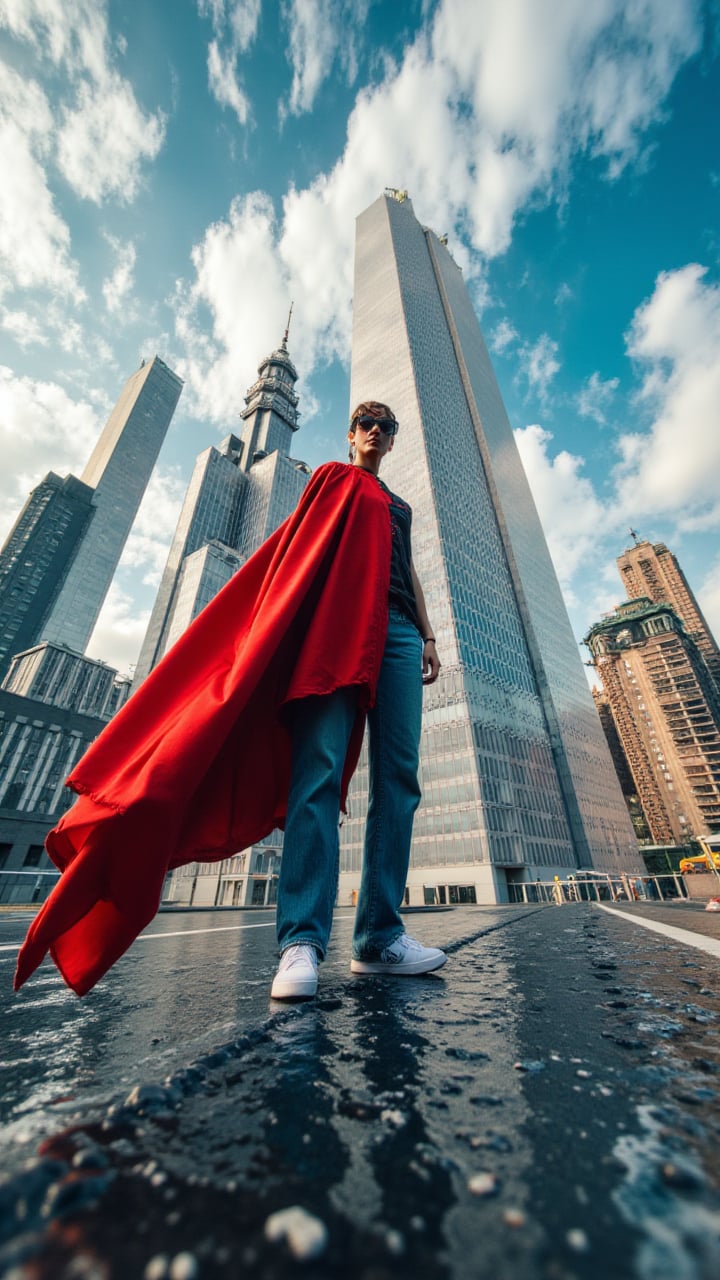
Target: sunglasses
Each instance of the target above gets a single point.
(387, 425)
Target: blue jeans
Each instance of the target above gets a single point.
(321, 730)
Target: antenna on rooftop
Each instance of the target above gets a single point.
(287, 327)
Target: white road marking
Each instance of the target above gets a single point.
(186, 933)
(710, 945)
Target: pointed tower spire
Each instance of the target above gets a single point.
(287, 327)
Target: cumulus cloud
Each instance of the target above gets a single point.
(674, 338)
(539, 364)
(236, 263)
(24, 328)
(62, 430)
(478, 121)
(224, 83)
(103, 135)
(34, 239)
(235, 26)
(572, 516)
(596, 397)
(320, 31)
(504, 335)
(118, 286)
(119, 630)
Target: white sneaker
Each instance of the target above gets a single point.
(297, 975)
(404, 955)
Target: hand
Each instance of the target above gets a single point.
(430, 663)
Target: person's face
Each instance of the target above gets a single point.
(371, 442)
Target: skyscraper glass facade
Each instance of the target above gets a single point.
(516, 774)
(119, 470)
(36, 557)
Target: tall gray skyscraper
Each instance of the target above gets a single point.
(238, 495)
(36, 558)
(517, 779)
(118, 472)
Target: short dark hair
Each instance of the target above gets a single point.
(374, 409)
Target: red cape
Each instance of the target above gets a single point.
(196, 765)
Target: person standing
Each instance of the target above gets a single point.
(321, 729)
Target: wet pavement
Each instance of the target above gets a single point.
(546, 1105)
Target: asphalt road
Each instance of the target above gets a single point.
(546, 1106)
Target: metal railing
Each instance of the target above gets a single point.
(25, 888)
(607, 888)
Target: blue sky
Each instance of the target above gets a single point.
(175, 171)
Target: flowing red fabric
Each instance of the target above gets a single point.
(196, 765)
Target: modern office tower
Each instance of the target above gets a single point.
(238, 495)
(517, 779)
(650, 569)
(202, 575)
(118, 471)
(210, 513)
(666, 711)
(55, 675)
(36, 557)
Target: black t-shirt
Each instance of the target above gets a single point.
(401, 594)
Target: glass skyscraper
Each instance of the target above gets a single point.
(36, 558)
(517, 779)
(118, 471)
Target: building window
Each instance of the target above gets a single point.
(33, 855)
(5, 851)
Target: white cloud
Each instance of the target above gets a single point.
(596, 396)
(674, 468)
(24, 328)
(503, 336)
(572, 516)
(320, 32)
(34, 239)
(105, 138)
(235, 25)
(479, 120)
(104, 135)
(119, 630)
(118, 287)
(224, 83)
(41, 429)
(539, 364)
(236, 264)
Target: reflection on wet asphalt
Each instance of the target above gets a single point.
(544, 1106)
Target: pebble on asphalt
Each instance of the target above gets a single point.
(306, 1236)
(483, 1184)
(184, 1266)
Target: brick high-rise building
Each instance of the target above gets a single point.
(650, 569)
(666, 710)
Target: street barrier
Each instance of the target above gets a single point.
(25, 888)
(600, 888)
